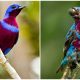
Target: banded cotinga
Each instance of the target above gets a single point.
(72, 44)
(9, 30)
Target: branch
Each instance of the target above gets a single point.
(8, 67)
(70, 74)
(76, 72)
(65, 72)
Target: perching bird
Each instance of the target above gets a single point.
(9, 30)
(72, 44)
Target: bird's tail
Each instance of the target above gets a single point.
(62, 65)
(60, 68)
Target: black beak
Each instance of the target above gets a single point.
(22, 7)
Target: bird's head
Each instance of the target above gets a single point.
(13, 10)
(75, 12)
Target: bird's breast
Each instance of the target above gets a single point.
(76, 43)
(8, 37)
(9, 27)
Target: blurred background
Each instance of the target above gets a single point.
(24, 57)
(55, 23)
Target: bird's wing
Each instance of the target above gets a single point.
(69, 38)
(70, 31)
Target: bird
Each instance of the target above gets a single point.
(71, 48)
(9, 29)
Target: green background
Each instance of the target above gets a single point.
(55, 23)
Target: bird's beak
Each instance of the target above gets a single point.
(22, 7)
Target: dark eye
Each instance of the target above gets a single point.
(78, 10)
(13, 6)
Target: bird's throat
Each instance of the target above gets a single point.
(77, 21)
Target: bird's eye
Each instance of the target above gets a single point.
(77, 9)
(13, 6)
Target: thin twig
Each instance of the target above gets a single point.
(65, 72)
(78, 64)
(76, 72)
(70, 74)
(8, 67)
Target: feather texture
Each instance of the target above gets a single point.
(72, 43)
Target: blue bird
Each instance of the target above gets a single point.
(72, 44)
(9, 30)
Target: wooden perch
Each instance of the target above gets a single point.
(68, 74)
(76, 72)
(8, 67)
(65, 72)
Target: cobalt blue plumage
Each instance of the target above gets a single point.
(9, 30)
